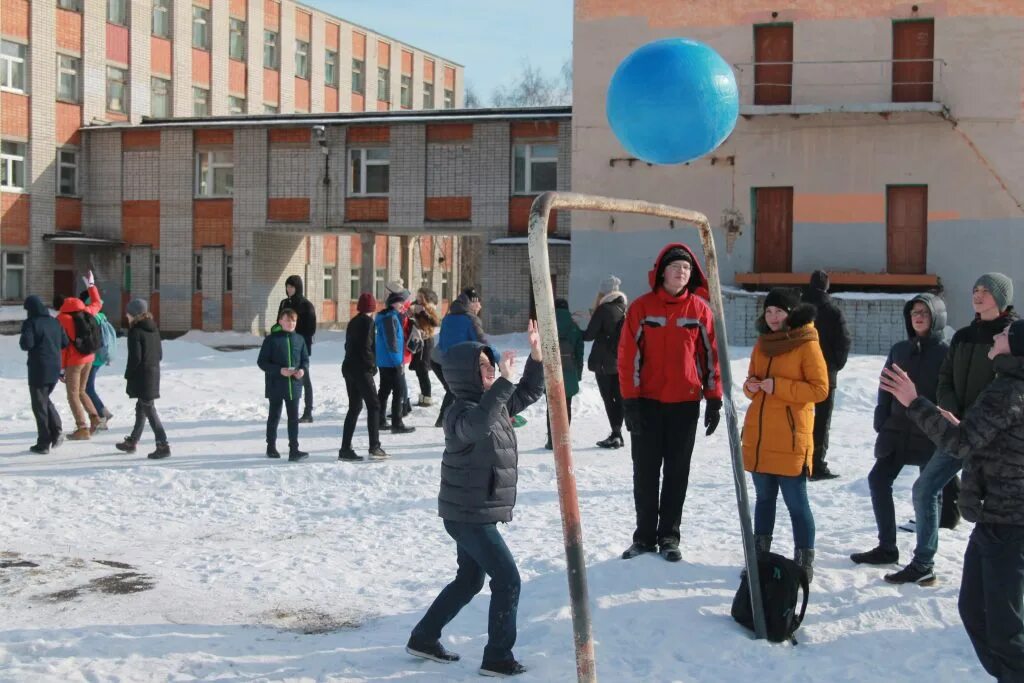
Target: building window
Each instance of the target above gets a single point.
(12, 165)
(379, 276)
(271, 55)
(302, 59)
(162, 18)
(328, 283)
(446, 286)
(383, 84)
(197, 272)
(126, 283)
(271, 109)
(358, 77)
(236, 40)
(331, 69)
(68, 69)
(354, 287)
(12, 69)
(370, 171)
(200, 101)
(215, 173)
(117, 12)
(14, 275)
(200, 27)
(449, 99)
(73, 5)
(67, 172)
(428, 95)
(535, 168)
(156, 271)
(406, 94)
(229, 273)
(117, 90)
(236, 105)
(160, 97)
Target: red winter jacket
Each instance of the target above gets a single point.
(667, 350)
(70, 355)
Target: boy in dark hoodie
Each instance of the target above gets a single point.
(461, 324)
(44, 339)
(306, 328)
(479, 471)
(284, 360)
(570, 345)
(142, 372)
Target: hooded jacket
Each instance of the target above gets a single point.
(71, 357)
(142, 369)
(282, 350)
(390, 339)
(967, 369)
(44, 339)
(604, 329)
(360, 345)
(460, 326)
(306, 325)
(667, 349)
(833, 334)
(778, 430)
(570, 343)
(479, 466)
(921, 358)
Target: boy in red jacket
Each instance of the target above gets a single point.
(76, 365)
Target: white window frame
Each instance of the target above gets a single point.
(200, 95)
(364, 164)
(237, 31)
(68, 158)
(7, 67)
(70, 5)
(117, 12)
(236, 105)
(271, 108)
(428, 95)
(75, 72)
(213, 159)
(302, 59)
(201, 18)
(272, 42)
(161, 8)
(358, 76)
(124, 85)
(155, 91)
(355, 283)
(528, 160)
(330, 273)
(449, 99)
(331, 68)
(405, 92)
(22, 268)
(10, 160)
(383, 78)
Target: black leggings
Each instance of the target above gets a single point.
(360, 387)
(392, 383)
(612, 397)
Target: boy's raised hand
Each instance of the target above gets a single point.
(533, 334)
(505, 365)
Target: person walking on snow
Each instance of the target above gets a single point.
(283, 359)
(604, 329)
(44, 339)
(358, 369)
(142, 372)
(77, 357)
(390, 348)
(306, 328)
(103, 357)
(668, 361)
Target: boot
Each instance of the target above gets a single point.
(94, 423)
(614, 440)
(349, 454)
(399, 428)
(58, 440)
(763, 544)
(307, 418)
(425, 401)
(126, 446)
(40, 449)
(295, 455)
(440, 421)
(272, 452)
(805, 558)
(378, 453)
(163, 450)
(822, 472)
(80, 434)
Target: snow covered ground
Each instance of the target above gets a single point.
(218, 564)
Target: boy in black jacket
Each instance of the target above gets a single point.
(44, 338)
(305, 326)
(142, 372)
(284, 359)
(358, 369)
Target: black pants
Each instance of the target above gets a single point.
(421, 365)
(568, 408)
(991, 591)
(360, 387)
(880, 480)
(146, 410)
(608, 385)
(48, 425)
(292, 407)
(662, 450)
(307, 392)
(822, 424)
(449, 397)
(392, 383)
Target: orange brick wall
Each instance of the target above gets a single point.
(362, 134)
(383, 54)
(358, 102)
(428, 70)
(14, 221)
(358, 45)
(211, 223)
(238, 8)
(201, 68)
(197, 310)
(15, 118)
(534, 129)
(332, 36)
(271, 86)
(519, 216)
(301, 94)
(383, 105)
(140, 139)
(68, 214)
(329, 313)
(117, 43)
(303, 25)
(271, 15)
(330, 243)
(69, 118)
(288, 209)
(236, 76)
(380, 251)
(449, 132)
(160, 56)
(330, 99)
(449, 78)
(154, 306)
(448, 209)
(140, 222)
(14, 18)
(69, 29)
(406, 63)
(288, 135)
(366, 209)
(214, 136)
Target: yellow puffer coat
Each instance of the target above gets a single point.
(778, 432)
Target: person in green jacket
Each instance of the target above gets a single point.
(570, 344)
(284, 359)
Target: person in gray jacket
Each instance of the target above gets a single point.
(478, 490)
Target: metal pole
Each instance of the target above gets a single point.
(539, 268)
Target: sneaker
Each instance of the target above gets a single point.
(40, 450)
(272, 452)
(822, 473)
(435, 652)
(80, 434)
(670, 551)
(306, 419)
(297, 455)
(613, 441)
(637, 549)
(102, 426)
(509, 667)
(126, 446)
(349, 454)
(58, 441)
(876, 556)
(402, 429)
(378, 453)
(912, 573)
(163, 450)
(425, 401)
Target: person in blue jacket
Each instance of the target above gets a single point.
(44, 339)
(461, 324)
(390, 347)
(284, 359)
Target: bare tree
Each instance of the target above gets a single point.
(531, 88)
(472, 100)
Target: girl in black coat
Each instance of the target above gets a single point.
(358, 369)
(142, 371)
(604, 328)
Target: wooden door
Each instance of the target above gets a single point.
(912, 80)
(773, 229)
(773, 82)
(906, 228)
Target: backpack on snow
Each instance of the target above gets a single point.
(109, 335)
(781, 582)
(88, 335)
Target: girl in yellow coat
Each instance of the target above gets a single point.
(787, 376)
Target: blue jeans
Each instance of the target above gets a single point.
(794, 492)
(880, 480)
(936, 474)
(481, 552)
(90, 391)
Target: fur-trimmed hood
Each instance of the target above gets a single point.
(612, 296)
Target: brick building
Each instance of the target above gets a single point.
(69, 63)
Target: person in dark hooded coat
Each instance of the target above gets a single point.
(461, 324)
(306, 328)
(142, 372)
(479, 471)
(604, 329)
(44, 339)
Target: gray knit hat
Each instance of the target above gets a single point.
(136, 307)
(1000, 286)
(610, 284)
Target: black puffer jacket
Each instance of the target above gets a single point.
(990, 439)
(44, 339)
(968, 369)
(833, 334)
(604, 329)
(142, 369)
(306, 325)
(360, 345)
(921, 358)
(479, 467)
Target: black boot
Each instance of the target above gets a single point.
(822, 472)
(307, 418)
(805, 558)
(614, 440)
(272, 452)
(349, 454)
(503, 669)
(295, 455)
(378, 453)
(163, 450)
(876, 556)
(400, 428)
(40, 449)
(433, 651)
(126, 446)
(637, 549)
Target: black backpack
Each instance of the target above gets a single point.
(88, 334)
(781, 581)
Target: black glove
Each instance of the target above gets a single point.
(631, 411)
(712, 416)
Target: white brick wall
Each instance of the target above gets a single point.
(219, 76)
(176, 182)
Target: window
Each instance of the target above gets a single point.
(160, 97)
(12, 165)
(331, 69)
(73, 5)
(236, 105)
(14, 275)
(215, 173)
(236, 40)
(156, 271)
(197, 272)
(354, 288)
(358, 77)
(370, 170)
(271, 56)
(200, 101)
(379, 276)
(406, 94)
(117, 90)
(328, 283)
(162, 18)
(428, 95)
(117, 12)
(67, 172)
(229, 272)
(271, 109)
(12, 69)
(127, 270)
(68, 69)
(200, 27)
(449, 99)
(302, 59)
(535, 168)
(383, 84)
(446, 286)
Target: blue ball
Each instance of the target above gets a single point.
(672, 101)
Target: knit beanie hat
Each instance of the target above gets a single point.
(395, 286)
(366, 304)
(782, 297)
(673, 254)
(820, 280)
(397, 297)
(1000, 286)
(471, 294)
(1016, 336)
(136, 307)
(610, 284)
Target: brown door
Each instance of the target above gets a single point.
(773, 229)
(773, 82)
(906, 228)
(64, 283)
(912, 80)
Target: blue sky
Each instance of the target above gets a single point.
(489, 37)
